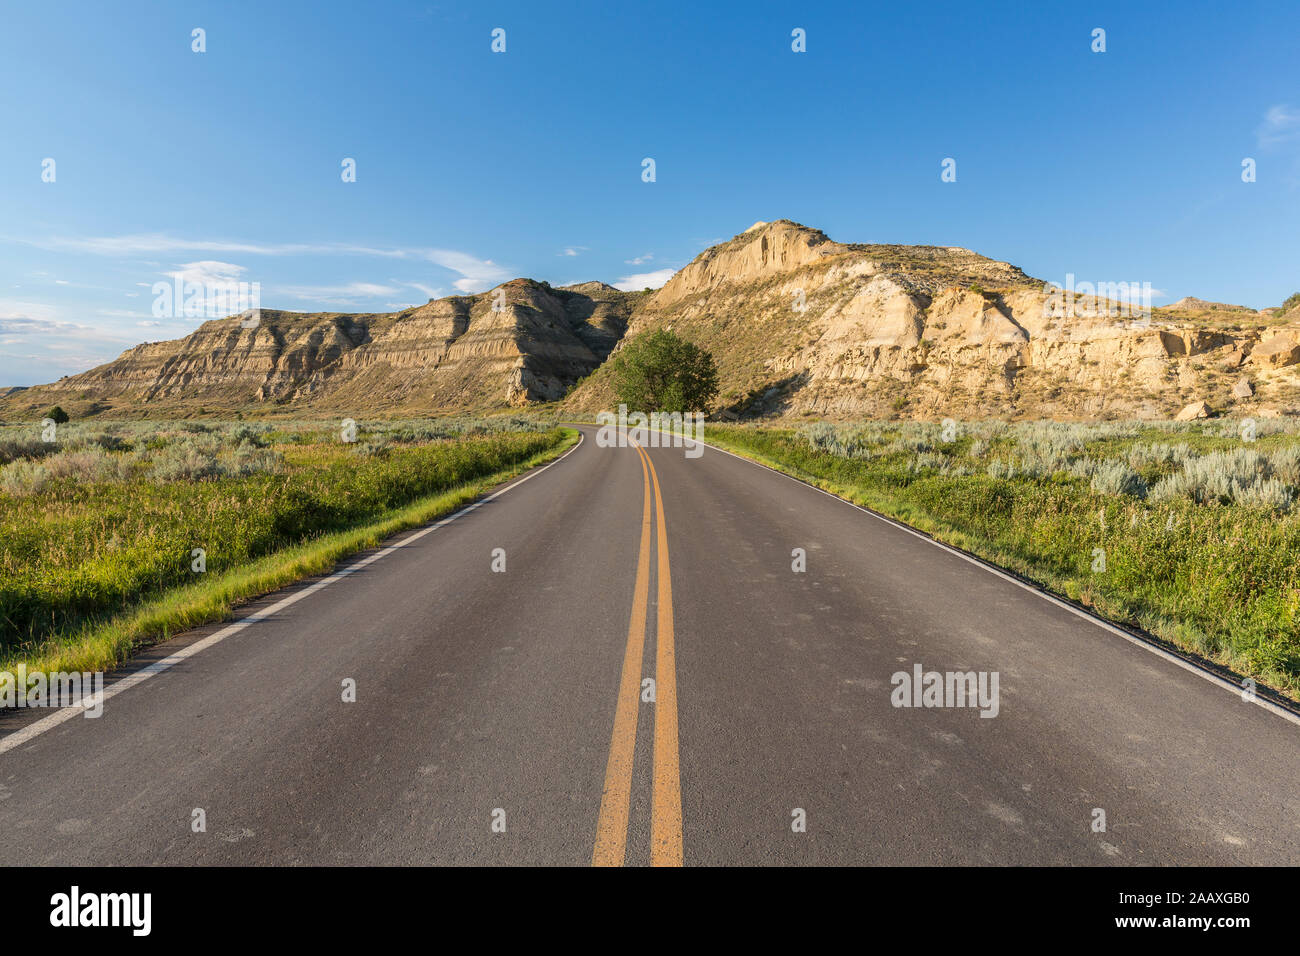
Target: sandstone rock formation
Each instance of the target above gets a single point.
(1278, 351)
(804, 326)
(520, 343)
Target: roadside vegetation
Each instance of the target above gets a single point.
(1189, 531)
(117, 535)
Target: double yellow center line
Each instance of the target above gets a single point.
(666, 794)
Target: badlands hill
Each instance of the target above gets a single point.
(521, 343)
(800, 325)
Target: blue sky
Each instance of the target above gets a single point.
(473, 167)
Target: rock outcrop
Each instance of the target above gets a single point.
(804, 326)
(1192, 412)
(520, 343)
(1277, 351)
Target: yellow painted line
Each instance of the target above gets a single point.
(615, 801)
(666, 802)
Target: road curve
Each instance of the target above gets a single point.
(649, 680)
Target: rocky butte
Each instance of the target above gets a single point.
(802, 325)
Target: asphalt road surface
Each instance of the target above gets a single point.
(649, 680)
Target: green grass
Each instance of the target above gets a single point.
(1215, 578)
(92, 570)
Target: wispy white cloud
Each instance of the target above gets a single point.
(38, 328)
(60, 364)
(1281, 125)
(432, 292)
(207, 272)
(639, 260)
(475, 274)
(572, 251)
(644, 280)
(24, 325)
(140, 244)
(337, 294)
(38, 345)
(37, 311)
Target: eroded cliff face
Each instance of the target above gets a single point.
(522, 342)
(762, 249)
(803, 326)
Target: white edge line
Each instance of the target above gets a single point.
(20, 737)
(1182, 662)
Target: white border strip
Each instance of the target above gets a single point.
(20, 737)
(1182, 662)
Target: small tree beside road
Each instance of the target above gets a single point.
(662, 372)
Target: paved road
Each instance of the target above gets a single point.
(499, 716)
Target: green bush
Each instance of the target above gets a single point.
(1117, 478)
(662, 372)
